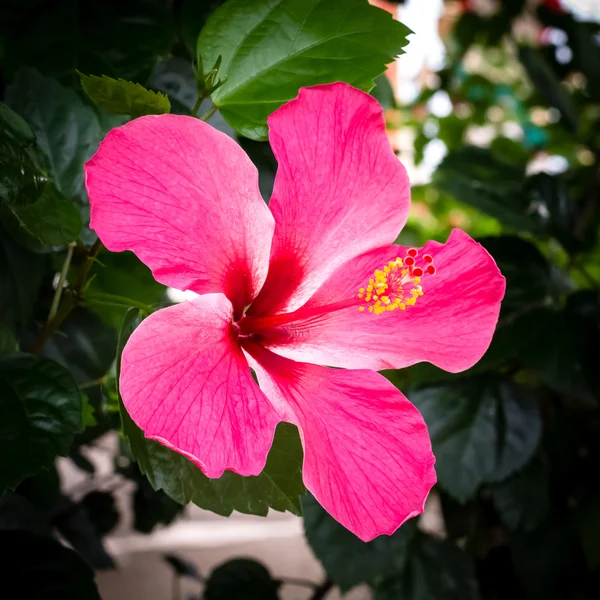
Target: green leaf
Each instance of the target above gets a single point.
(40, 414)
(16, 124)
(40, 567)
(548, 85)
(347, 560)
(152, 507)
(25, 188)
(88, 410)
(52, 218)
(383, 92)
(435, 569)
(242, 579)
(87, 347)
(549, 194)
(523, 500)
(111, 37)
(474, 176)
(528, 273)
(118, 273)
(66, 129)
(271, 48)
(262, 156)
(481, 430)
(124, 97)
(279, 486)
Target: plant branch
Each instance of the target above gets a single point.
(114, 300)
(197, 105)
(71, 297)
(209, 113)
(61, 282)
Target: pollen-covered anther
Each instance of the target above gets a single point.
(397, 284)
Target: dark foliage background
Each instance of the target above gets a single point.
(517, 437)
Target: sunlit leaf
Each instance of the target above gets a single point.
(271, 48)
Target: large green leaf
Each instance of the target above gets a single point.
(122, 273)
(25, 188)
(110, 37)
(124, 97)
(383, 92)
(551, 194)
(151, 507)
(87, 346)
(271, 48)
(528, 273)
(347, 560)
(40, 414)
(474, 176)
(242, 579)
(279, 486)
(52, 218)
(66, 129)
(34, 566)
(262, 156)
(481, 430)
(434, 570)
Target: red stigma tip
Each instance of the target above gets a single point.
(409, 261)
(412, 252)
(431, 270)
(428, 258)
(417, 272)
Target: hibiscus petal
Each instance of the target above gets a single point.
(451, 325)
(184, 197)
(339, 190)
(367, 454)
(186, 383)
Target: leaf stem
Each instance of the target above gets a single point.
(61, 282)
(209, 113)
(112, 299)
(71, 297)
(91, 384)
(197, 105)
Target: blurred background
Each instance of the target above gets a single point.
(495, 111)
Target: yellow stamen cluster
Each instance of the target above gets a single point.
(385, 290)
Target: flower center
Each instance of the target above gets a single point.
(396, 285)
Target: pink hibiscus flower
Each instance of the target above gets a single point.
(311, 280)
